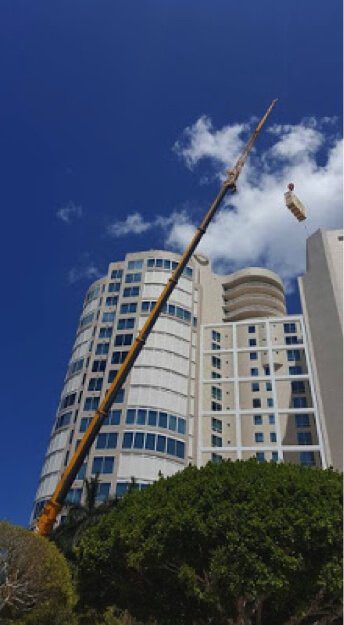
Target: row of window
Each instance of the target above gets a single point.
(92, 403)
(303, 438)
(170, 265)
(154, 418)
(113, 418)
(154, 442)
(103, 492)
(169, 309)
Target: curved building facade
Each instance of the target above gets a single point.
(253, 292)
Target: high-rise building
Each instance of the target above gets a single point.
(225, 374)
(321, 290)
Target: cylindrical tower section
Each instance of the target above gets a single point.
(253, 292)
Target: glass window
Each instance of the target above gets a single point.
(171, 446)
(103, 464)
(113, 418)
(150, 441)
(67, 401)
(91, 403)
(216, 407)
(299, 402)
(150, 262)
(298, 386)
(172, 423)
(123, 339)
(114, 287)
(112, 375)
(141, 417)
(251, 329)
(133, 277)
(74, 496)
(253, 356)
(291, 340)
(254, 371)
(108, 317)
(95, 384)
(128, 440)
(118, 357)
(107, 441)
(267, 370)
(255, 387)
(131, 416)
(111, 301)
(215, 375)
(124, 324)
(162, 420)
(139, 440)
(271, 419)
(273, 437)
(216, 441)
(161, 443)
(216, 336)
(63, 420)
(216, 393)
(98, 365)
(304, 438)
(297, 370)
(132, 291)
(152, 417)
(289, 328)
(302, 420)
(102, 348)
(105, 333)
(216, 362)
(259, 437)
(121, 488)
(256, 403)
(181, 426)
(268, 386)
(274, 456)
(180, 449)
(128, 308)
(215, 346)
(307, 458)
(293, 354)
(216, 425)
(135, 264)
(103, 491)
(270, 402)
(82, 472)
(260, 456)
(216, 458)
(257, 419)
(119, 397)
(84, 423)
(159, 262)
(252, 342)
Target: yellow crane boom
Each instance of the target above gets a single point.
(52, 508)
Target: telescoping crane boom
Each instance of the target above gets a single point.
(52, 508)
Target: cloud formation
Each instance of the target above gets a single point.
(254, 227)
(84, 272)
(70, 212)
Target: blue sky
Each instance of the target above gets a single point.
(93, 97)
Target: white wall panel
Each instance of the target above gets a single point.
(53, 463)
(152, 376)
(145, 468)
(73, 384)
(172, 326)
(157, 398)
(47, 486)
(181, 298)
(58, 441)
(80, 351)
(166, 360)
(156, 277)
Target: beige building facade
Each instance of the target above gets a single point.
(321, 291)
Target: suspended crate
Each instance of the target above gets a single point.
(294, 204)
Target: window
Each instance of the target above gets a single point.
(112, 375)
(216, 441)
(299, 402)
(215, 346)
(74, 496)
(119, 397)
(133, 277)
(128, 440)
(181, 425)
(216, 425)
(105, 333)
(150, 262)
(215, 375)
(98, 365)
(135, 264)
(302, 420)
(128, 308)
(293, 354)
(86, 320)
(116, 274)
(267, 370)
(172, 423)
(270, 402)
(141, 417)
(254, 371)
(274, 456)
(216, 336)
(131, 291)
(289, 328)
(162, 420)
(307, 458)
(68, 401)
(216, 458)
(107, 441)
(297, 370)
(273, 437)
(138, 440)
(253, 356)
(91, 403)
(268, 386)
(82, 472)
(298, 386)
(63, 420)
(75, 367)
(121, 488)
(260, 456)
(216, 393)
(251, 329)
(161, 443)
(256, 403)
(150, 441)
(84, 423)
(126, 324)
(113, 418)
(103, 491)
(259, 437)
(118, 357)
(111, 301)
(95, 384)
(216, 362)
(123, 339)
(271, 419)
(216, 407)
(257, 419)
(108, 317)
(304, 438)
(102, 348)
(252, 342)
(114, 287)
(291, 340)
(103, 464)
(255, 387)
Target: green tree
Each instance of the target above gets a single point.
(35, 581)
(229, 544)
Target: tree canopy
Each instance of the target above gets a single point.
(35, 580)
(230, 543)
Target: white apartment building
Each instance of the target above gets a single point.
(225, 374)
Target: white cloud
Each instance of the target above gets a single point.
(254, 227)
(83, 272)
(135, 223)
(69, 212)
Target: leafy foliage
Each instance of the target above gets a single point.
(231, 543)
(35, 581)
